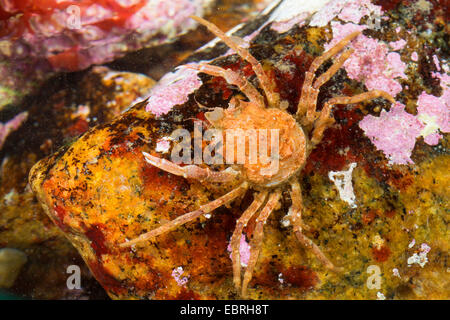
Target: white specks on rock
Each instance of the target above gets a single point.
(420, 258)
(286, 220)
(380, 296)
(343, 182)
(396, 273)
(280, 278)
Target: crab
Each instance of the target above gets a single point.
(299, 133)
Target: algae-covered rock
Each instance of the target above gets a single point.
(385, 225)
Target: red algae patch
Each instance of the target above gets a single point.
(381, 254)
(301, 277)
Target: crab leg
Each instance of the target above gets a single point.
(191, 171)
(311, 113)
(237, 234)
(257, 238)
(207, 208)
(296, 208)
(232, 78)
(265, 82)
(296, 219)
(325, 120)
(305, 98)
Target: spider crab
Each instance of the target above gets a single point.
(298, 135)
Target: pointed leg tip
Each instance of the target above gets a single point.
(336, 269)
(124, 245)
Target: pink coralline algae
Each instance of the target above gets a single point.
(436, 62)
(345, 10)
(177, 275)
(163, 145)
(434, 113)
(173, 89)
(354, 10)
(397, 45)
(371, 63)
(283, 26)
(394, 133)
(244, 251)
(10, 126)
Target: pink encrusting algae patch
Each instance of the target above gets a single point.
(177, 275)
(434, 113)
(173, 89)
(414, 56)
(397, 45)
(244, 251)
(393, 132)
(163, 145)
(436, 62)
(371, 63)
(283, 26)
(327, 13)
(354, 10)
(346, 10)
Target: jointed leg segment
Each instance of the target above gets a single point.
(266, 84)
(190, 171)
(325, 119)
(207, 208)
(297, 224)
(257, 238)
(232, 78)
(311, 113)
(237, 234)
(307, 101)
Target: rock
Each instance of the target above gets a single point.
(11, 261)
(101, 192)
(37, 39)
(71, 105)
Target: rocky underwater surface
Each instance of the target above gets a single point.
(375, 190)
